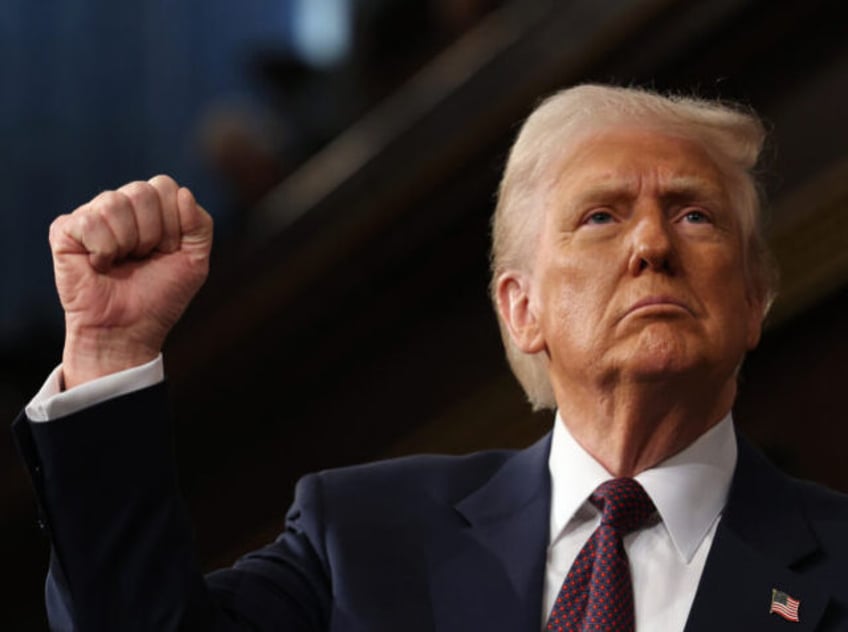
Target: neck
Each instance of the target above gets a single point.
(634, 426)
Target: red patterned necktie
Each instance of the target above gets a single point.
(596, 594)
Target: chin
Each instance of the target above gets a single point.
(658, 372)
(664, 356)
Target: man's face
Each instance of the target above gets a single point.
(638, 273)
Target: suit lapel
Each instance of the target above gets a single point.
(762, 536)
(490, 576)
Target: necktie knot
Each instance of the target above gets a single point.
(624, 504)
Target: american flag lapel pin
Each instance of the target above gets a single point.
(785, 606)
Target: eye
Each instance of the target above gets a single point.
(696, 216)
(599, 217)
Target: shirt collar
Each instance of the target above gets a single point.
(688, 489)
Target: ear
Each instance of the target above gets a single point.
(756, 305)
(512, 291)
(756, 315)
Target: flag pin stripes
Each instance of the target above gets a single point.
(784, 605)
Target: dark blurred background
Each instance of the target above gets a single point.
(350, 150)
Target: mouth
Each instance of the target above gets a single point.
(659, 306)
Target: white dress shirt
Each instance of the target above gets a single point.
(667, 556)
(52, 402)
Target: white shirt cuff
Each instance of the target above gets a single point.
(51, 402)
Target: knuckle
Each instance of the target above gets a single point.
(161, 180)
(57, 223)
(89, 223)
(140, 193)
(56, 227)
(105, 204)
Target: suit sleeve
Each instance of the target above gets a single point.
(122, 550)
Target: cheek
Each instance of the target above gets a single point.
(572, 303)
(724, 289)
(728, 282)
(715, 271)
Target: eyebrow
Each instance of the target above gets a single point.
(693, 187)
(678, 188)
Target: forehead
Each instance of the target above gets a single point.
(619, 161)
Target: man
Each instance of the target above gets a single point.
(629, 278)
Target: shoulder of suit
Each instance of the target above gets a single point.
(821, 503)
(413, 479)
(430, 469)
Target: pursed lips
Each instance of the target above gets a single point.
(658, 303)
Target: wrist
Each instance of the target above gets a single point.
(95, 355)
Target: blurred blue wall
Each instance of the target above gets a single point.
(94, 93)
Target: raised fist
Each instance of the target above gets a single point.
(127, 264)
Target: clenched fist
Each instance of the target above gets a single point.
(127, 264)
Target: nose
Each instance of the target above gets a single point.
(652, 246)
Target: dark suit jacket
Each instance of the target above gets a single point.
(423, 543)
